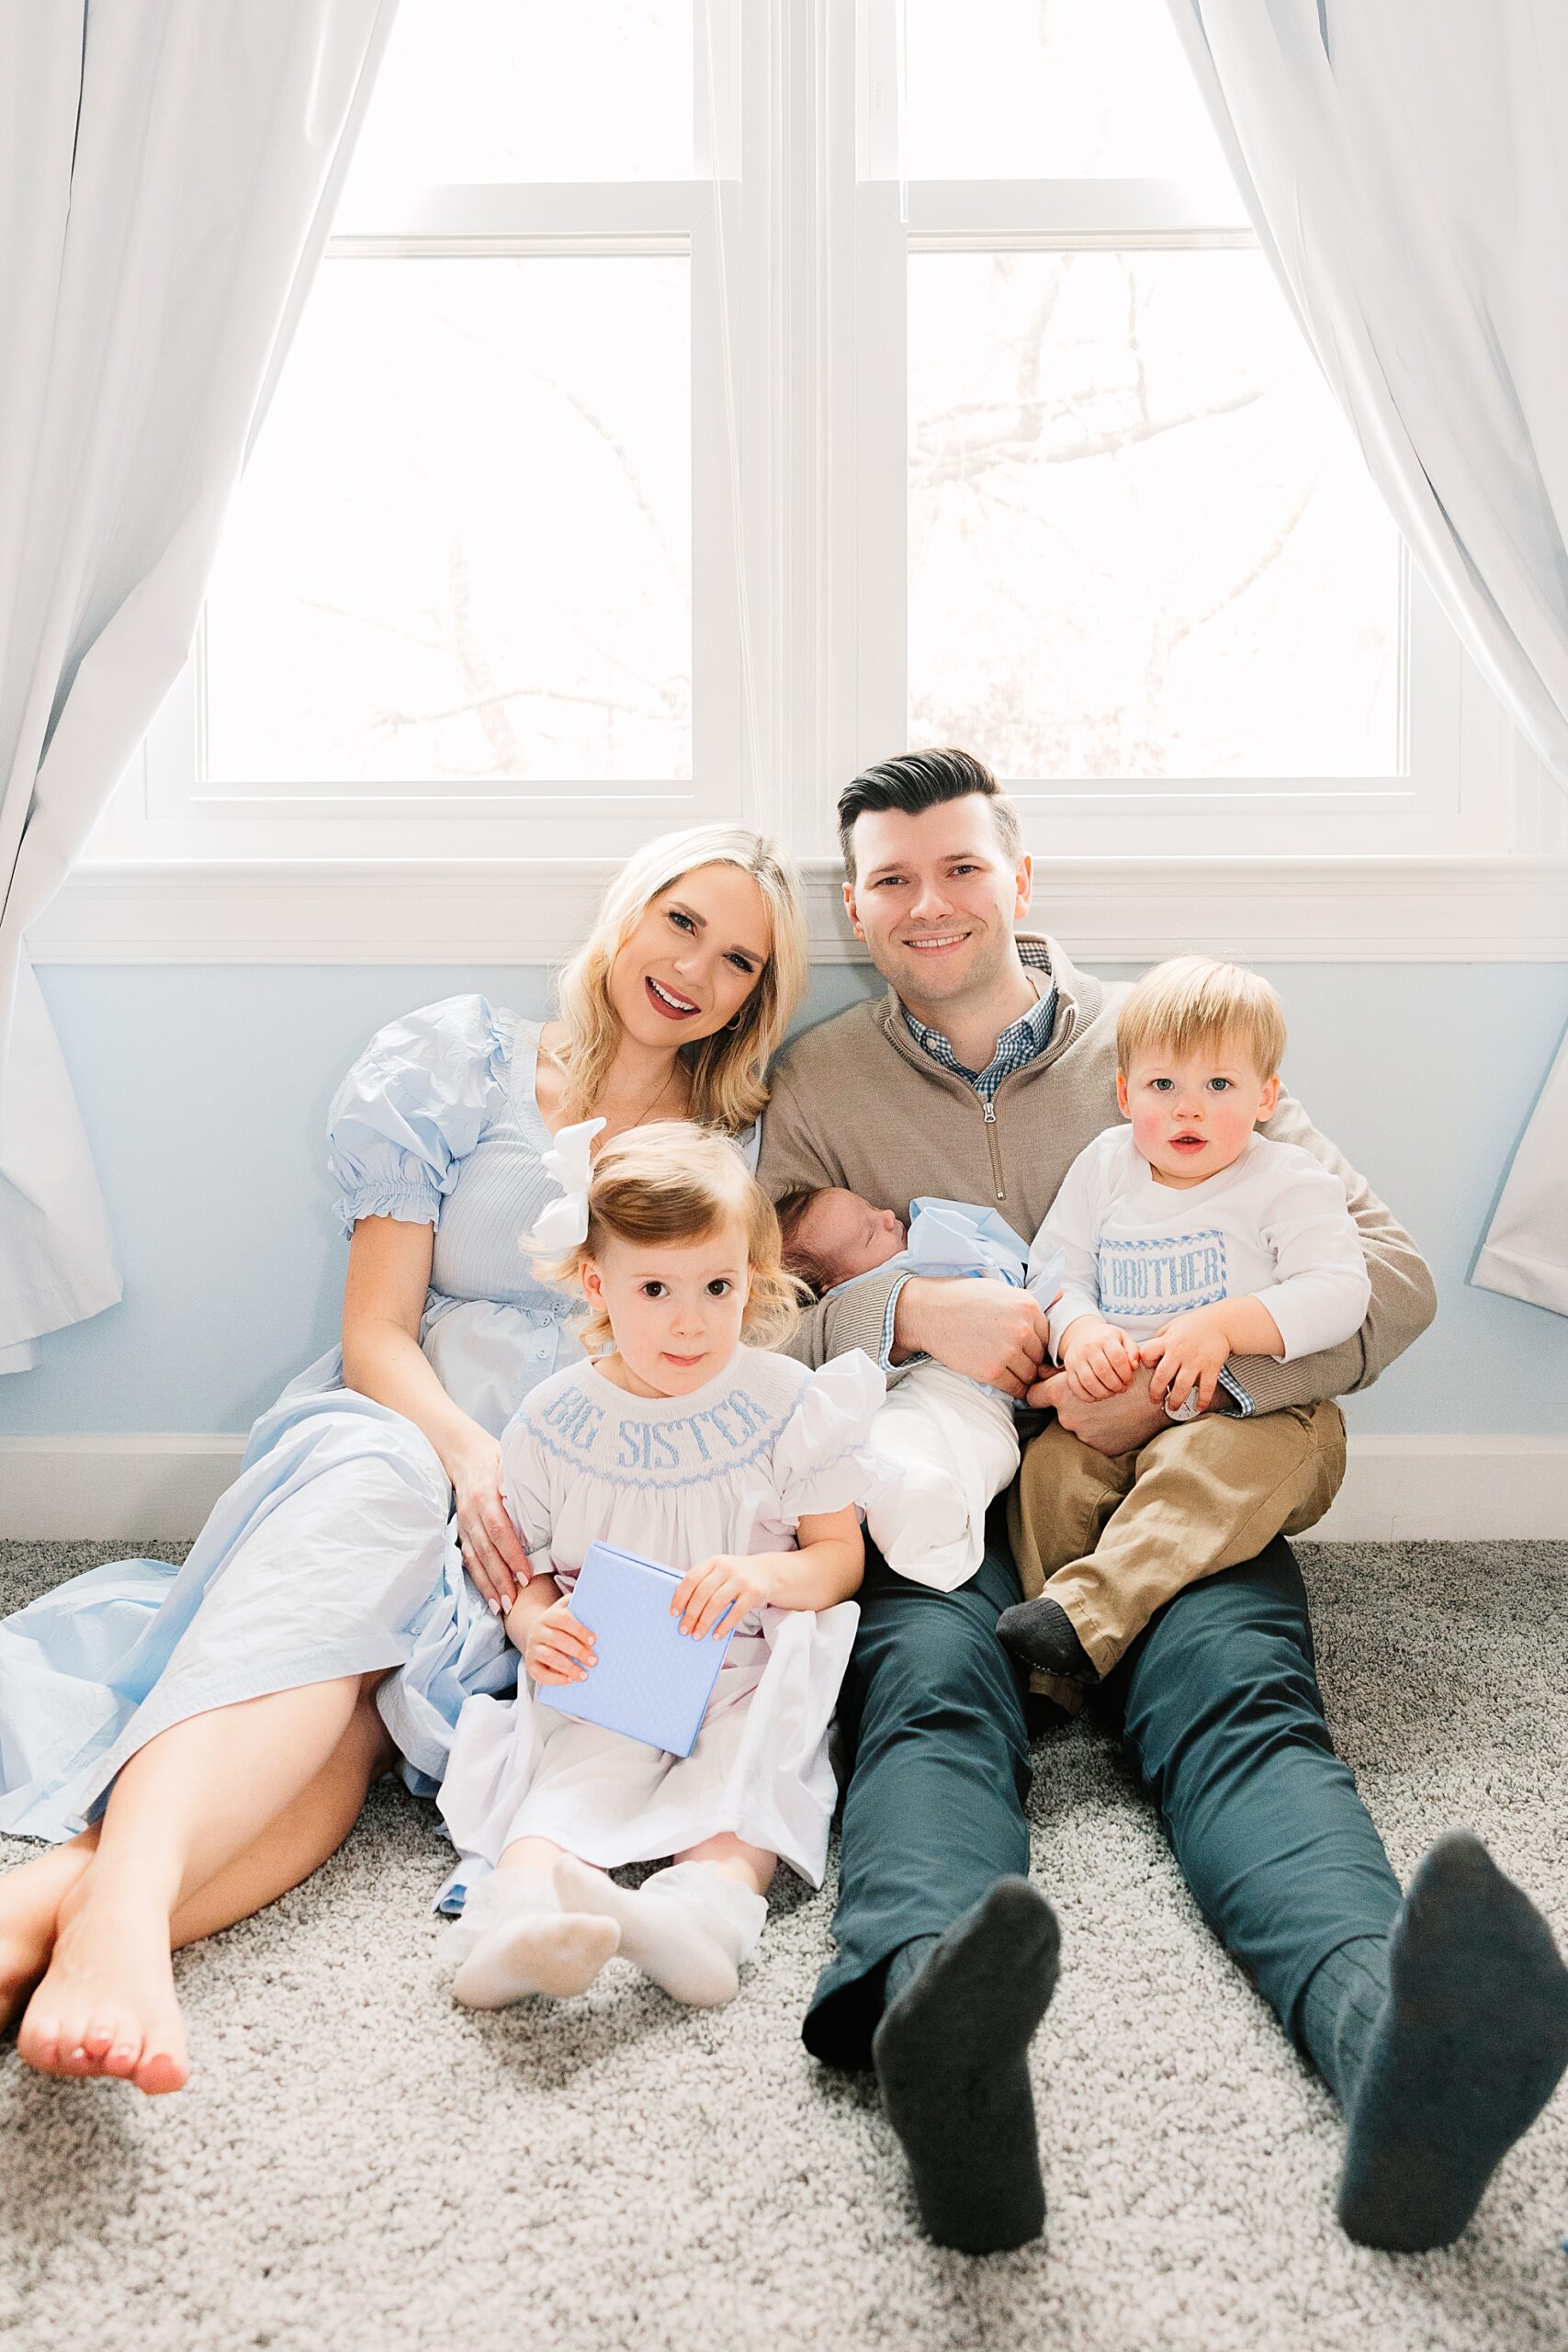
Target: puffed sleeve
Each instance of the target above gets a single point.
(412, 1107)
(821, 1458)
(526, 1489)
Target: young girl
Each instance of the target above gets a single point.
(738, 1468)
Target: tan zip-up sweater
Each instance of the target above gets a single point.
(856, 1103)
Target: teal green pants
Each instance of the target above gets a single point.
(1218, 1704)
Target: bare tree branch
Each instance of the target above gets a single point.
(371, 621)
(473, 663)
(976, 457)
(392, 721)
(1265, 562)
(640, 499)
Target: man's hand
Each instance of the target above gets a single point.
(983, 1327)
(1097, 1358)
(1110, 1424)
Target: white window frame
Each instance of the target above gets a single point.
(799, 615)
(167, 809)
(1454, 791)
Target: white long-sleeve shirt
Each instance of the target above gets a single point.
(1273, 1225)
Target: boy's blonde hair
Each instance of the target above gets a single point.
(679, 1183)
(729, 1085)
(1192, 1003)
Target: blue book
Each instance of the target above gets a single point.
(648, 1680)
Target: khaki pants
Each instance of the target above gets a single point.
(1111, 1537)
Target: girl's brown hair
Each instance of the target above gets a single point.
(677, 1182)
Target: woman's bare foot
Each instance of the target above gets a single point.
(30, 1896)
(106, 2003)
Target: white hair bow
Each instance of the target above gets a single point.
(565, 1222)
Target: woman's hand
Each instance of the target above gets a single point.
(492, 1556)
(558, 1650)
(728, 1582)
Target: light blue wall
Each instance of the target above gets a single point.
(205, 1091)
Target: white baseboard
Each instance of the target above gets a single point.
(1452, 1490)
(1399, 1489)
(110, 1487)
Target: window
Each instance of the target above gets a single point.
(837, 379)
(477, 594)
(1138, 558)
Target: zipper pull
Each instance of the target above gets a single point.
(989, 1112)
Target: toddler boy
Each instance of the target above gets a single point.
(1185, 1238)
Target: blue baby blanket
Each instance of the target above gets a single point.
(648, 1680)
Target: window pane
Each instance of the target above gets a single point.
(1142, 542)
(463, 545)
(1053, 90)
(528, 90)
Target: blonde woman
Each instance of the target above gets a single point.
(218, 1726)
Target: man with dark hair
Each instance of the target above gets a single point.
(1440, 2024)
(919, 780)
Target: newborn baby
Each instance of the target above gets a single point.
(948, 1442)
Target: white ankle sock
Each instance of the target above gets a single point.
(688, 1929)
(519, 1940)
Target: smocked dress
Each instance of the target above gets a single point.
(335, 1551)
(732, 1468)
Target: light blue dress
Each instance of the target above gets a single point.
(335, 1550)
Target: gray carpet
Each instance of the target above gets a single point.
(356, 2164)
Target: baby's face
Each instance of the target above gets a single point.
(848, 1236)
(1192, 1115)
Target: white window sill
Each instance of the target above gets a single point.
(1319, 910)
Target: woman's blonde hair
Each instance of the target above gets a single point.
(727, 1069)
(679, 1183)
(1192, 1003)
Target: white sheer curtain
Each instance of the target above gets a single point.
(1405, 165)
(168, 173)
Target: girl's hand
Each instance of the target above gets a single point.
(492, 1556)
(1098, 1359)
(1190, 1351)
(558, 1650)
(729, 1585)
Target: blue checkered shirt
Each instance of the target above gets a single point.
(1016, 1048)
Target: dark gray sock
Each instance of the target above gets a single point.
(1465, 2050)
(950, 2056)
(1342, 2004)
(1041, 1631)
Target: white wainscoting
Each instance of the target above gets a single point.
(1127, 909)
(1400, 1489)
